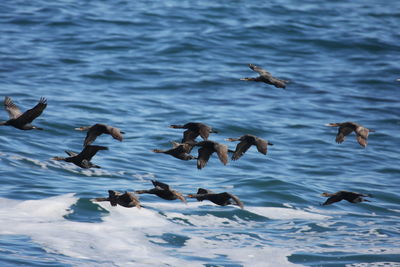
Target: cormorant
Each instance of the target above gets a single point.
(345, 128)
(163, 191)
(83, 159)
(246, 141)
(265, 77)
(126, 199)
(352, 197)
(221, 199)
(209, 147)
(21, 120)
(98, 129)
(194, 129)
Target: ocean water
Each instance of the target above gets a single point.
(143, 65)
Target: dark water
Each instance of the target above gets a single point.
(143, 65)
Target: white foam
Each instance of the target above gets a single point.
(122, 237)
(285, 213)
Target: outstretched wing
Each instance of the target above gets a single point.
(160, 184)
(31, 114)
(189, 136)
(236, 200)
(203, 157)
(362, 136)
(342, 132)
(261, 71)
(204, 131)
(12, 109)
(333, 199)
(222, 152)
(89, 151)
(93, 132)
(241, 148)
(261, 145)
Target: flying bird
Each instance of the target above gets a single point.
(246, 141)
(21, 120)
(265, 77)
(126, 199)
(98, 129)
(83, 159)
(163, 191)
(346, 128)
(209, 147)
(179, 151)
(194, 129)
(221, 199)
(352, 197)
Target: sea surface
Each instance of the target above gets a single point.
(144, 65)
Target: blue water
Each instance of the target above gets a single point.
(143, 65)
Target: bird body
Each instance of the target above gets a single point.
(221, 199)
(126, 199)
(97, 129)
(21, 120)
(194, 129)
(246, 141)
(207, 148)
(83, 158)
(265, 77)
(352, 197)
(346, 128)
(163, 191)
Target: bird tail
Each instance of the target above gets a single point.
(37, 128)
(157, 150)
(100, 199)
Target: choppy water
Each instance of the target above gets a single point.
(143, 65)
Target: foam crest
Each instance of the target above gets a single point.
(286, 213)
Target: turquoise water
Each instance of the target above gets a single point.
(143, 65)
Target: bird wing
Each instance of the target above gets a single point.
(130, 199)
(261, 71)
(179, 196)
(261, 145)
(31, 114)
(222, 152)
(362, 136)
(241, 148)
(204, 131)
(236, 199)
(342, 132)
(277, 82)
(189, 135)
(203, 157)
(89, 151)
(115, 133)
(71, 153)
(93, 132)
(333, 199)
(12, 109)
(160, 184)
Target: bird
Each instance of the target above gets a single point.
(345, 128)
(352, 197)
(207, 148)
(179, 151)
(163, 191)
(21, 120)
(221, 199)
(246, 141)
(194, 129)
(98, 129)
(126, 199)
(83, 158)
(265, 77)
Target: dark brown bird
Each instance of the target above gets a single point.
(194, 129)
(98, 129)
(246, 141)
(179, 151)
(163, 191)
(126, 199)
(209, 147)
(265, 77)
(345, 128)
(352, 197)
(21, 120)
(83, 159)
(221, 199)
